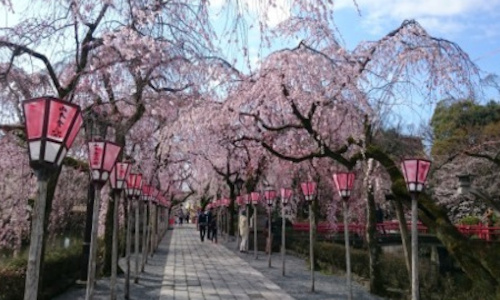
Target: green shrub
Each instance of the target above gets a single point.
(330, 258)
(61, 269)
(470, 220)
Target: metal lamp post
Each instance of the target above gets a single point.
(134, 189)
(51, 127)
(286, 194)
(309, 191)
(270, 196)
(344, 182)
(117, 180)
(102, 159)
(415, 173)
(255, 197)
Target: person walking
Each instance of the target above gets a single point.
(212, 228)
(202, 225)
(243, 230)
(209, 217)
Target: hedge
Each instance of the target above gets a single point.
(61, 269)
(330, 258)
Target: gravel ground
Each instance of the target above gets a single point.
(297, 279)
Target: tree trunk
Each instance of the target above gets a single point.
(403, 229)
(376, 281)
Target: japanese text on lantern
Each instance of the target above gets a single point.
(60, 118)
(96, 157)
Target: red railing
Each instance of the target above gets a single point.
(480, 231)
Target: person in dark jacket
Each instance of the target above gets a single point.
(212, 228)
(202, 224)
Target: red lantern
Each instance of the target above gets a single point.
(270, 196)
(308, 189)
(286, 194)
(247, 199)
(146, 192)
(415, 172)
(344, 182)
(155, 195)
(119, 175)
(51, 127)
(239, 200)
(102, 158)
(255, 196)
(134, 184)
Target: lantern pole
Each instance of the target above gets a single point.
(93, 242)
(285, 195)
(254, 230)
(347, 250)
(254, 202)
(145, 234)
(415, 173)
(114, 250)
(238, 238)
(344, 182)
(283, 238)
(36, 240)
(128, 246)
(136, 242)
(414, 248)
(154, 234)
(311, 243)
(269, 236)
(308, 188)
(51, 126)
(247, 247)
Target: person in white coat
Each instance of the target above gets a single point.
(244, 231)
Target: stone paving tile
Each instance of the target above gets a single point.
(184, 268)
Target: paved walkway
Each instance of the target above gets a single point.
(185, 268)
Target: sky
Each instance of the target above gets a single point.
(473, 24)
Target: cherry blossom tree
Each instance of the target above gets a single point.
(306, 103)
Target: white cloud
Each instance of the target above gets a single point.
(439, 16)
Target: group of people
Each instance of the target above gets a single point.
(207, 225)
